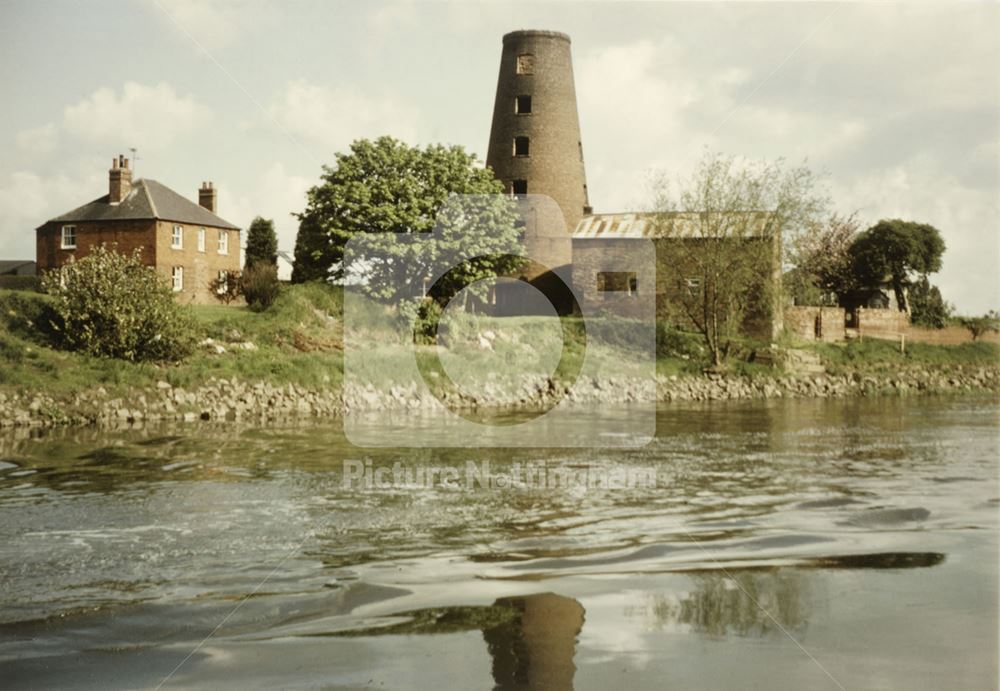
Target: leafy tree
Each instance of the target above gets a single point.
(927, 307)
(262, 243)
(823, 270)
(383, 189)
(726, 222)
(978, 326)
(111, 305)
(895, 251)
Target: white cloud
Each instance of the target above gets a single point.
(148, 117)
(38, 140)
(276, 194)
(333, 117)
(217, 23)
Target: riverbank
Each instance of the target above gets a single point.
(288, 362)
(262, 402)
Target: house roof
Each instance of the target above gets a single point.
(148, 199)
(11, 266)
(656, 225)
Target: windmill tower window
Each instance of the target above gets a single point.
(526, 63)
(522, 105)
(519, 187)
(522, 146)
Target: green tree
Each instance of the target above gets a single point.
(895, 251)
(978, 326)
(385, 188)
(111, 305)
(262, 243)
(823, 271)
(260, 286)
(724, 225)
(927, 307)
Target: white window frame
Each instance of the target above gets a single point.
(69, 230)
(223, 242)
(201, 239)
(177, 278)
(223, 284)
(177, 238)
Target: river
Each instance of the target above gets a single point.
(779, 544)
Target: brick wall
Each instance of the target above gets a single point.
(200, 267)
(881, 323)
(802, 322)
(154, 238)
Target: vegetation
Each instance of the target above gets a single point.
(262, 243)
(927, 307)
(260, 286)
(823, 271)
(896, 251)
(726, 218)
(109, 304)
(383, 189)
(228, 286)
(978, 326)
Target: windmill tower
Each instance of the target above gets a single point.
(535, 145)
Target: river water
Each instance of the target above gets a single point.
(782, 544)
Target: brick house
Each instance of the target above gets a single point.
(187, 243)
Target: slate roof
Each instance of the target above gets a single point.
(17, 267)
(148, 199)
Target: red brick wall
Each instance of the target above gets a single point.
(154, 238)
(882, 323)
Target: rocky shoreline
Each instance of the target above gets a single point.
(260, 402)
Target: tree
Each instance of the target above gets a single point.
(383, 189)
(927, 307)
(262, 243)
(721, 248)
(111, 305)
(260, 286)
(822, 259)
(227, 286)
(895, 251)
(978, 326)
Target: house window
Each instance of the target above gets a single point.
(69, 237)
(177, 238)
(522, 105)
(521, 146)
(526, 64)
(223, 242)
(223, 283)
(519, 187)
(201, 239)
(693, 285)
(177, 278)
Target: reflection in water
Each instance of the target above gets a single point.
(535, 650)
(748, 604)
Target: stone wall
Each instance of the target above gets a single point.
(200, 266)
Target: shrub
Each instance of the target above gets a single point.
(110, 305)
(260, 286)
(227, 287)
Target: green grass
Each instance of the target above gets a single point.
(299, 340)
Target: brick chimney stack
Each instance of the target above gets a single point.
(206, 196)
(119, 180)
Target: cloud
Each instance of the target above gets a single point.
(38, 140)
(275, 194)
(332, 117)
(217, 23)
(148, 117)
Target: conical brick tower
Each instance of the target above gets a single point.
(535, 146)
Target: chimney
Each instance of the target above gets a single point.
(206, 196)
(119, 180)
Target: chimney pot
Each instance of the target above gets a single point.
(119, 180)
(207, 196)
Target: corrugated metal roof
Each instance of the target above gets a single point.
(148, 199)
(652, 225)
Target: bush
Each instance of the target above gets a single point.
(111, 305)
(227, 287)
(260, 286)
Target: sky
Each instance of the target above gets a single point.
(896, 105)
